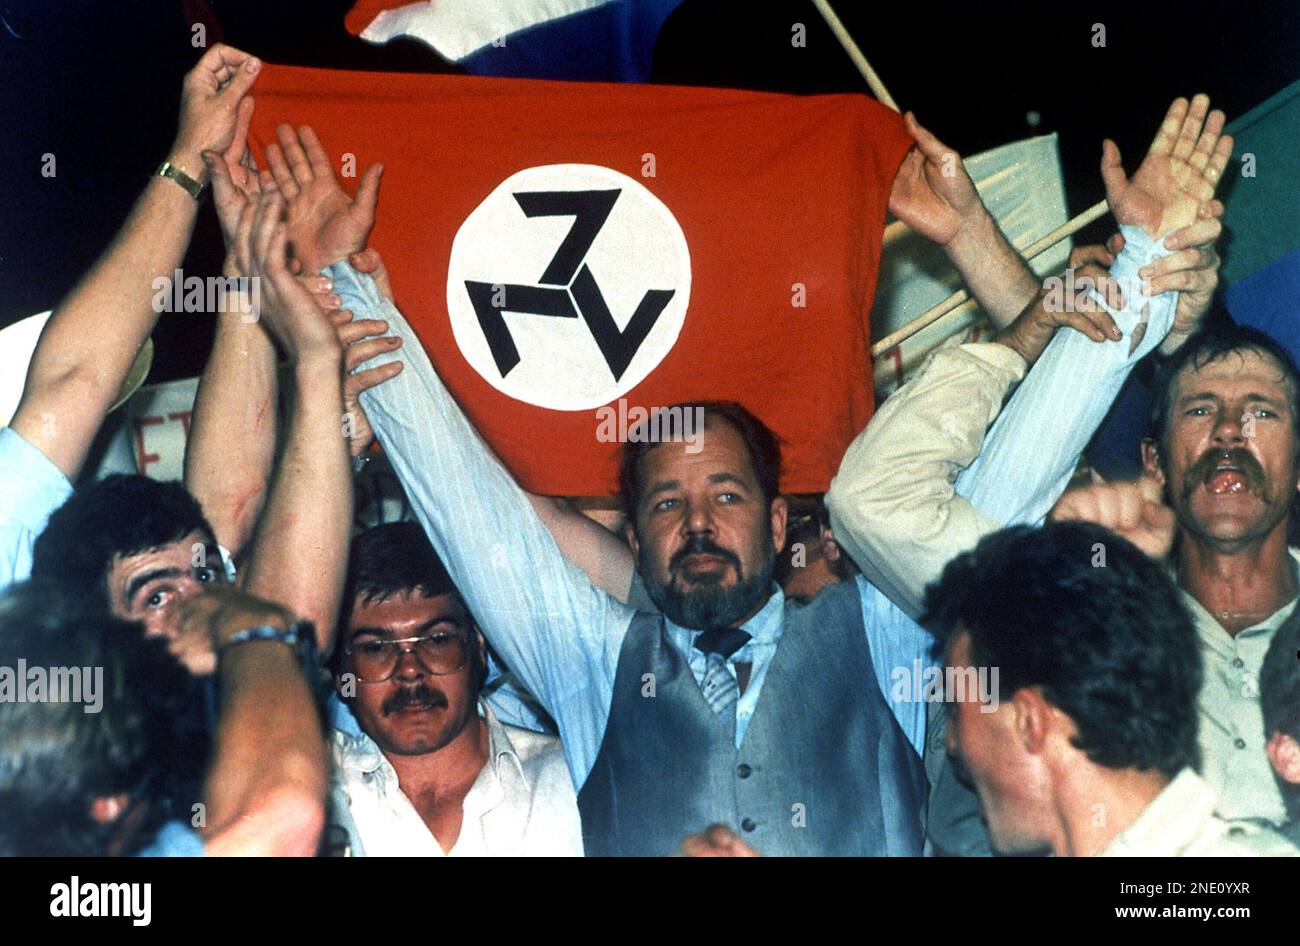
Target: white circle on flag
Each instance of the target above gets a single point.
(586, 356)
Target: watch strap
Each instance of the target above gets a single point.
(189, 184)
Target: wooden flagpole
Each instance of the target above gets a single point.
(898, 228)
(873, 81)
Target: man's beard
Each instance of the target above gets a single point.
(709, 604)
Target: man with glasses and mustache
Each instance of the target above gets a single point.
(433, 772)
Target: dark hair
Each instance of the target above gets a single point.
(1279, 697)
(120, 515)
(395, 558)
(1081, 613)
(1207, 346)
(392, 559)
(144, 741)
(763, 445)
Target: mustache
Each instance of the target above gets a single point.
(420, 695)
(1241, 458)
(702, 545)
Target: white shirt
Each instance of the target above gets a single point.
(1180, 822)
(521, 805)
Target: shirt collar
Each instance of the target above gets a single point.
(1172, 821)
(763, 628)
(501, 751)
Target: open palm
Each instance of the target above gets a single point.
(1180, 172)
(324, 224)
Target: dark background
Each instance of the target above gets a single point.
(97, 84)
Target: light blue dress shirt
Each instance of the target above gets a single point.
(31, 487)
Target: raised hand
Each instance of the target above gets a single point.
(1033, 329)
(363, 340)
(325, 225)
(1135, 511)
(360, 347)
(235, 182)
(215, 107)
(1180, 172)
(287, 307)
(932, 192)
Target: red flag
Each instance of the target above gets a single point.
(572, 253)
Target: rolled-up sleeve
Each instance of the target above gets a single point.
(893, 505)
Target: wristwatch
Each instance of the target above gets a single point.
(300, 637)
(191, 186)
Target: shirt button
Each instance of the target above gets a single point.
(1239, 663)
(743, 770)
(748, 824)
(1239, 743)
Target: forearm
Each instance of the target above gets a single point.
(892, 503)
(95, 334)
(995, 273)
(1037, 440)
(299, 552)
(231, 446)
(266, 786)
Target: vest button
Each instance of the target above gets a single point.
(743, 770)
(748, 824)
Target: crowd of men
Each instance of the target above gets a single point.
(967, 649)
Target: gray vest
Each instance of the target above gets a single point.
(824, 768)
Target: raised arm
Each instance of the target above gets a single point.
(933, 194)
(299, 552)
(94, 335)
(266, 784)
(231, 446)
(898, 505)
(1073, 385)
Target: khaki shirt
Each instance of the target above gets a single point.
(1231, 731)
(1181, 822)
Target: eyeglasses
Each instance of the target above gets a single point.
(376, 659)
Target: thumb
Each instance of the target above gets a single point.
(367, 199)
(1151, 490)
(1112, 171)
(929, 145)
(243, 118)
(243, 79)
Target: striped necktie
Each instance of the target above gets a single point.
(719, 685)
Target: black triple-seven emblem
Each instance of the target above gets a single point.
(568, 287)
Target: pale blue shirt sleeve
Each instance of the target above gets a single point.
(900, 650)
(31, 487)
(556, 632)
(174, 839)
(1027, 458)
(1033, 447)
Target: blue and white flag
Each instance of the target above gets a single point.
(595, 40)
